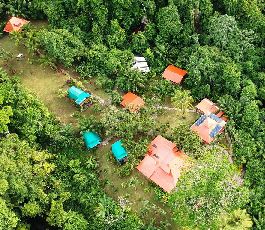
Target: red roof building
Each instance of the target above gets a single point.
(132, 102)
(163, 163)
(208, 127)
(174, 74)
(206, 107)
(15, 24)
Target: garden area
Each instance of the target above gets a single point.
(200, 98)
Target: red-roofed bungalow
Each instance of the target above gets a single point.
(163, 163)
(132, 102)
(174, 74)
(206, 107)
(15, 24)
(208, 127)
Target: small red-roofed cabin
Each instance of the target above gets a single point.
(163, 163)
(15, 24)
(132, 102)
(174, 74)
(206, 107)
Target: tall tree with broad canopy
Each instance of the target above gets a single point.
(212, 186)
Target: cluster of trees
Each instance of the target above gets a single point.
(44, 178)
(219, 42)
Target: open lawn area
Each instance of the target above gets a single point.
(133, 191)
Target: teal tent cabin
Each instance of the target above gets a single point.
(91, 139)
(79, 96)
(119, 152)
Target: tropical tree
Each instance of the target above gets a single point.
(225, 34)
(25, 174)
(209, 188)
(182, 100)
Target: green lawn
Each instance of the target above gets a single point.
(135, 191)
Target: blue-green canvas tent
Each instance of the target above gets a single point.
(78, 95)
(91, 139)
(119, 152)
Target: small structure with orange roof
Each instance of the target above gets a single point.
(174, 74)
(132, 102)
(208, 127)
(163, 163)
(15, 24)
(206, 107)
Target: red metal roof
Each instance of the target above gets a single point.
(15, 24)
(174, 74)
(163, 163)
(132, 101)
(206, 106)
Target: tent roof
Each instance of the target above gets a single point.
(208, 127)
(15, 24)
(91, 139)
(77, 94)
(74, 92)
(118, 150)
(207, 106)
(174, 74)
(163, 163)
(132, 101)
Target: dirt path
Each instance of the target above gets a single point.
(174, 109)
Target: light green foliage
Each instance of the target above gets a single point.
(8, 218)
(237, 220)
(25, 171)
(248, 93)
(115, 97)
(5, 113)
(182, 100)
(31, 209)
(3, 186)
(210, 187)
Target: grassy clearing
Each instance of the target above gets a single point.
(175, 118)
(135, 191)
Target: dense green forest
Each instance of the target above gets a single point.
(221, 45)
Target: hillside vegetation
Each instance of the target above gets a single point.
(221, 45)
